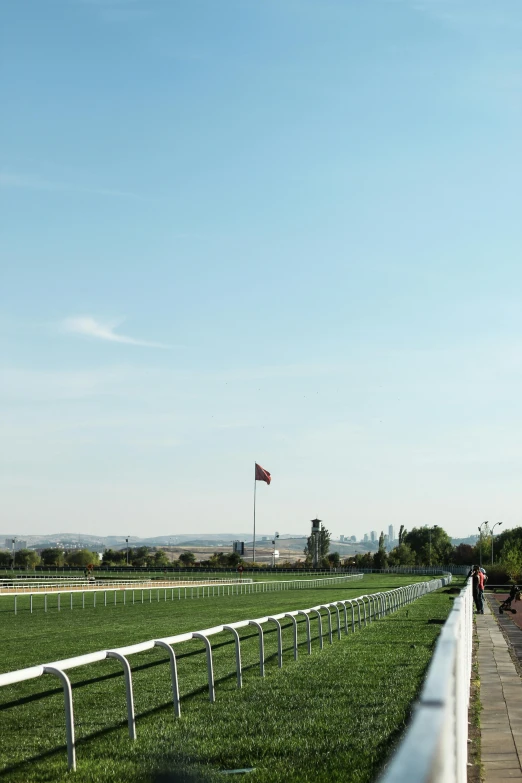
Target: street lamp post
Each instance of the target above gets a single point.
(480, 541)
(274, 544)
(492, 529)
(127, 540)
(13, 541)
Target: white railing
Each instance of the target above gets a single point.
(10, 587)
(435, 747)
(168, 591)
(422, 570)
(353, 615)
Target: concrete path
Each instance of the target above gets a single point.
(501, 698)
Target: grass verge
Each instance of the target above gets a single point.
(331, 716)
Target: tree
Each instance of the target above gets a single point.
(364, 561)
(160, 558)
(6, 559)
(139, 557)
(27, 558)
(114, 557)
(402, 533)
(429, 544)
(380, 559)
(187, 558)
(511, 536)
(82, 557)
(52, 557)
(334, 559)
(463, 554)
(324, 545)
(401, 556)
(512, 560)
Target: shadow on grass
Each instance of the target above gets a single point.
(123, 723)
(149, 665)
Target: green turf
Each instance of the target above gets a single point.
(330, 716)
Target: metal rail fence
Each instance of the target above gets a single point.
(435, 747)
(190, 591)
(346, 612)
(421, 570)
(8, 587)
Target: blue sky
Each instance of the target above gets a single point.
(276, 230)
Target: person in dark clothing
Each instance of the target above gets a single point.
(478, 589)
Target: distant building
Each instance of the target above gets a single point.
(341, 538)
(373, 535)
(239, 547)
(18, 544)
(391, 533)
(365, 539)
(353, 539)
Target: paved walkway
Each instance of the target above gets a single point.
(501, 698)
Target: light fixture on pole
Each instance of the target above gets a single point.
(13, 541)
(480, 541)
(275, 552)
(127, 541)
(492, 529)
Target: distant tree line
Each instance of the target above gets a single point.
(425, 546)
(421, 546)
(29, 558)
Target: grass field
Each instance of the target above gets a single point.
(331, 716)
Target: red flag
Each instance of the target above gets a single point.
(262, 474)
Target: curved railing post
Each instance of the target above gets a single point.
(327, 609)
(364, 608)
(343, 604)
(210, 668)
(128, 690)
(261, 646)
(237, 641)
(173, 674)
(308, 631)
(320, 625)
(358, 611)
(279, 641)
(336, 607)
(69, 713)
(294, 629)
(353, 614)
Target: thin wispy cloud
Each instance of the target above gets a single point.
(90, 327)
(29, 182)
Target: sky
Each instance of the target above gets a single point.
(283, 231)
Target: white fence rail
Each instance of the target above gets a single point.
(347, 613)
(10, 587)
(435, 747)
(167, 591)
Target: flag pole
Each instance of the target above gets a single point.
(254, 541)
